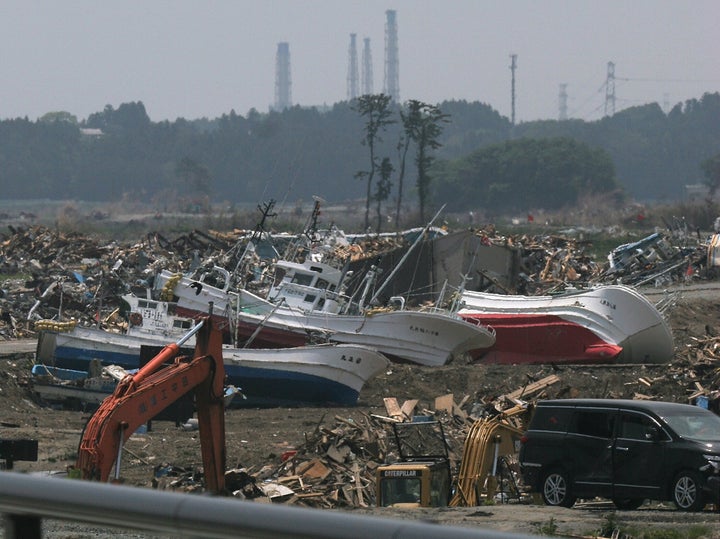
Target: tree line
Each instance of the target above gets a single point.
(391, 156)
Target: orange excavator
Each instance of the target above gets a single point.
(141, 396)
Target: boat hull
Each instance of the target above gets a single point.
(313, 375)
(611, 324)
(429, 339)
(425, 338)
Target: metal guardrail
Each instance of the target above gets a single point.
(26, 499)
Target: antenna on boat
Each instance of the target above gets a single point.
(258, 231)
(265, 210)
(309, 231)
(457, 300)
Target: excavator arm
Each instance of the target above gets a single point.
(487, 439)
(140, 397)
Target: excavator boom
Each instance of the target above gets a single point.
(140, 397)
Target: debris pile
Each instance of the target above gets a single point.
(551, 262)
(335, 466)
(53, 275)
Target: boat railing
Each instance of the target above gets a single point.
(478, 323)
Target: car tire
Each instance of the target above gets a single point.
(557, 490)
(628, 504)
(687, 494)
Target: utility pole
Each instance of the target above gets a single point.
(513, 66)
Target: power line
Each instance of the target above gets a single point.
(609, 86)
(691, 81)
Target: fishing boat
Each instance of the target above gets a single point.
(305, 305)
(73, 387)
(606, 324)
(319, 375)
(86, 389)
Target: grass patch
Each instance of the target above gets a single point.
(547, 528)
(612, 526)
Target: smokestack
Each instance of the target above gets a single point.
(392, 61)
(283, 96)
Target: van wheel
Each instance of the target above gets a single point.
(628, 504)
(687, 493)
(556, 489)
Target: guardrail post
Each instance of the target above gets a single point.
(22, 527)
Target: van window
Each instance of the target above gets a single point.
(551, 418)
(698, 425)
(596, 423)
(636, 427)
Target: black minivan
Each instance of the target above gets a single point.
(625, 450)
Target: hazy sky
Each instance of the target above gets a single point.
(201, 58)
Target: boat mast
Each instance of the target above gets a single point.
(258, 231)
(406, 255)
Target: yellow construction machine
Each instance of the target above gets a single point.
(422, 476)
(486, 466)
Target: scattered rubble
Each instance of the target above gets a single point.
(335, 465)
(53, 275)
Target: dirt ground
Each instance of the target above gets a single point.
(258, 437)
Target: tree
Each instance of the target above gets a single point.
(375, 108)
(711, 169)
(196, 179)
(409, 116)
(58, 116)
(527, 173)
(425, 129)
(128, 117)
(382, 188)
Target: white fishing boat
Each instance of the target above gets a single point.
(319, 375)
(304, 305)
(606, 324)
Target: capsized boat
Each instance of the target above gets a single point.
(606, 324)
(306, 303)
(307, 375)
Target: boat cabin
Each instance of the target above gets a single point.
(155, 317)
(310, 286)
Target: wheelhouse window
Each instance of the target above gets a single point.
(322, 284)
(279, 276)
(302, 279)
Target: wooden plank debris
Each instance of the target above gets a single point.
(532, 388)
(445, 403)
